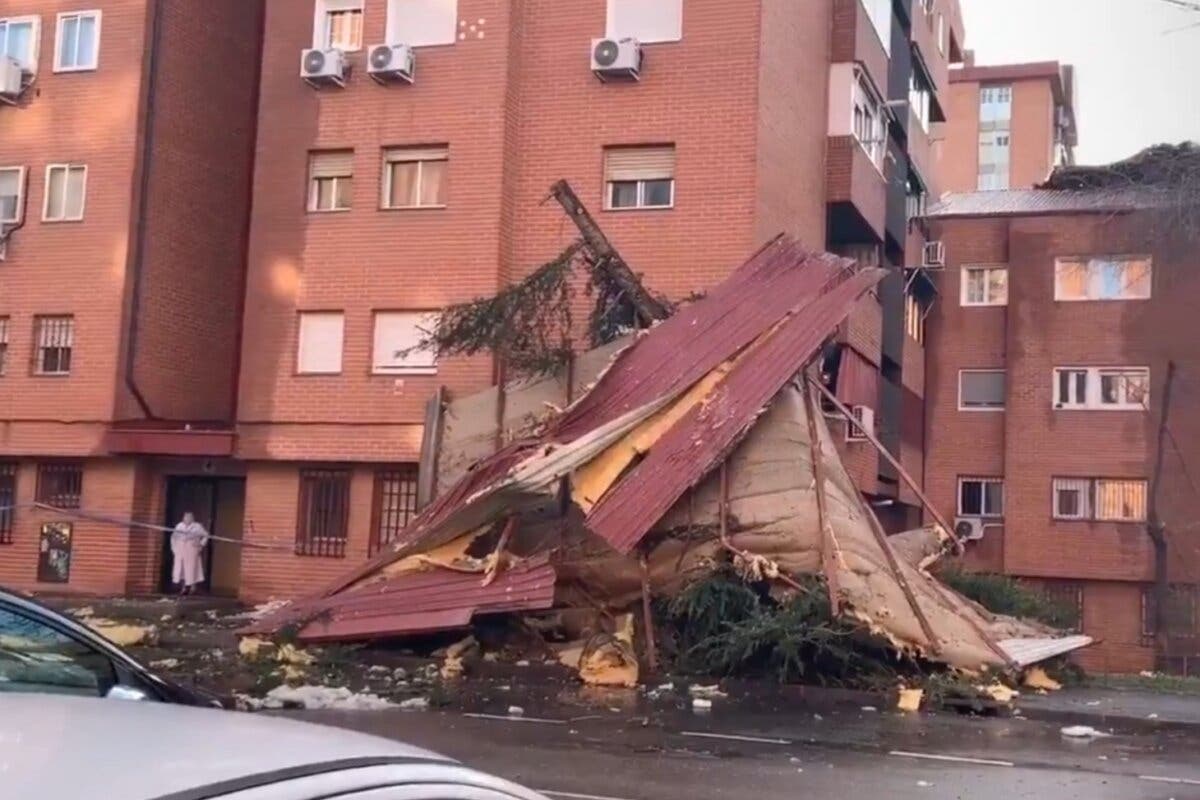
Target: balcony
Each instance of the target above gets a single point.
(169, 440)
(855, 192)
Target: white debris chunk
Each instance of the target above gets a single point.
(924, 784)
(1082, 732)
(709, 692)
(516, 711)
(701, 704)
(869, 708)
(313, 697)
(415, 704)
(165, 663)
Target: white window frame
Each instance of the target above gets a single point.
(984, 512)
(425, 319)
(1093, 399)
(321, 11)
(41, 324)
(46, 193)
(981, 371)
(36, 38)
(865, 415)
(388, 162)
(1090, 262)
(1089, 501)
(985, 269)
(611, 31)
(941, 33)
(58, 41)
(314, 184)
(18, 214)
(641, 204)
(872, 101)
(396, 33)
(300, 339)
(998, 96)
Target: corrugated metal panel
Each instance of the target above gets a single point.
(781, 277)
(1044, 201)
(1030, 651)
(698, 442)
(417, 602)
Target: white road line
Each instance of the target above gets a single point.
(735, 737)
(576, 796)
(956, 759)
(507, 718)
(1161, 779)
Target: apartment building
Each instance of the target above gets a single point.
(386, 188)
(124, 190)
(1008, 125)
(1049, 354)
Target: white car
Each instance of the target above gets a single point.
(56, 747)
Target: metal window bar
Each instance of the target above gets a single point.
(324, 513)
(1068, 595)
(59, 484)
(55, 337)
(8, 499)
(394, 504)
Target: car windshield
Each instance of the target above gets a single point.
(35, 657)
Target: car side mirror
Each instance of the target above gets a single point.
(120, 692)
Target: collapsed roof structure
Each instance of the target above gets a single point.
(701, 440)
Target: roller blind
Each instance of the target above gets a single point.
(331, 164)
(639, 163)
(399, 154)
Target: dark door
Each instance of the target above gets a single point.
(199, 496)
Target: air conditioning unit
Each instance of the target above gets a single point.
(968, 529)
(934, 254)
(865, 416)
(323, 67)
(619, 59)
(391, 63)
(11, 78)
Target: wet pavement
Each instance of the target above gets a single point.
(611, 755)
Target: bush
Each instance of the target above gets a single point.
(1002, 594)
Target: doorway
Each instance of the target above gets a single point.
(219, 505)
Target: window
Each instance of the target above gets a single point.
(324, 512)
(645, 20)
(865, 417)
(941, 34)
(19, 37)
(330, 180)
(981, 497)
(1067, 596)
(338, 24)
(880, 14)
(995, 107)
(8, 499)
(36, 657)
(55, 338)
(415, 177)
(78, 45)
(394, 504)
(1181, 616)
(984, 286)
(639, 177)
(868, 123)
(1102, 388)
(1105, 499)
(3, 345)
(59, 483)
(920, 98)
(66, 188)
(12, 194)
(397, 333)
(319, 351)
(1108, 278)
(417, 23)
(994, 156)
(914, 318)
(981, 390)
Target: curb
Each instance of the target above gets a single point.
(1100, 720)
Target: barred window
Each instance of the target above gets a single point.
(1182, 615)
(8, 499)
(59, 483)
(1068, 596)
(1109, 499)
(394, 504)
(324, 512)
(55, 338)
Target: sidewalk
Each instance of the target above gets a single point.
(1101, 706)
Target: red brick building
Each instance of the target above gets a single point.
(124, 190)
(1058, 314)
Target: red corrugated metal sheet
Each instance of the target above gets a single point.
(418, 602)
(702, 438)
(678, 352)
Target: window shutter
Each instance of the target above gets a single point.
(639, 163)
(395, 155)
(333, 164)
(320, 346)
(395, 333)
(422, 22)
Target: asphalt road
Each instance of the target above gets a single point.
(613, 754)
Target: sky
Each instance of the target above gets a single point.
(1137, 83)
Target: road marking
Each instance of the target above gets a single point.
(1161, 779)
(735, 737)
(576, 796)
(956, 759)
(507, 718)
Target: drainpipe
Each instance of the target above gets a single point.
(137, 256)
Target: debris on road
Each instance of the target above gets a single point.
(415, 704)
(1082, 732)
(1036, 678)
(315, 697)
(702, 704)
(910, 699)
(165, 663)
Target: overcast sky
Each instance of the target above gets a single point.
(1137, 84)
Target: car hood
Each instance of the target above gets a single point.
(56, 746)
